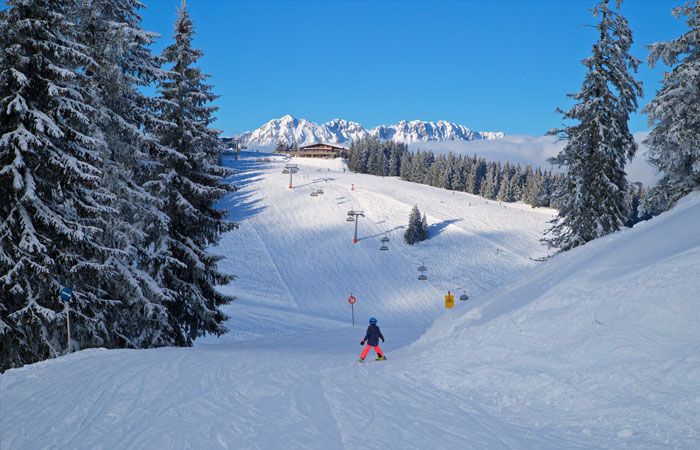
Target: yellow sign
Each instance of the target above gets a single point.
(449, 300)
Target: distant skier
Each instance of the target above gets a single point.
(372, 339)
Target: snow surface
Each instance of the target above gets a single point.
(596, 348)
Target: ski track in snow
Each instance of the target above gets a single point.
(486, 375)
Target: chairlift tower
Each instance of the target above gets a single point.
(291, 169)
(355, 215)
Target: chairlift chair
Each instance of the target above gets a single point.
(314, 194)
(320, 191)
(422, 277)
(463, 297)
(285, 171)
(383, 247)
(350, 219)
(422, 269)
(385, 240)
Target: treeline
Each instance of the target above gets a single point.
(492, 180)
(103, 189)
(506, 182)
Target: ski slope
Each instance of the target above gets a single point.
(297, 265)
(596, 348)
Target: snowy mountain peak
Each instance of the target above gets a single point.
(288, 129)
(442, 130)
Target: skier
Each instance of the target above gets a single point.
(372, 339)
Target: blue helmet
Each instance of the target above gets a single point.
(372, 321)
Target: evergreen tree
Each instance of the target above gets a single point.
(504, 186)
(674, 113)
(437, 171)
(418, 167)
(394, 161)
(190, 182)
(490, 185)
(120, 66)
(635, 196)
(533, 187)
(598, 146)
(416, 231)
(376, 161)
(516, 183)
(502, 195)
(547, 189)
(447, 178)
(51, 200)
(423, 232)
(477, 176)
(405, 171)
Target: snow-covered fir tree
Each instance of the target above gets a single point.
(674, 113)
(600, 143)
(189, 183)
(417, 229)
(51, 200)
(423, 232)
(120, 65)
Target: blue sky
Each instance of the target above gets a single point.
(500, 65)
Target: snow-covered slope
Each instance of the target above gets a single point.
(603, 341)
(289, 129)
(296, 240)
(596, 348)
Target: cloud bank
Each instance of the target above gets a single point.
(535, 150)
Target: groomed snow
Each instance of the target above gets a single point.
(599, 347)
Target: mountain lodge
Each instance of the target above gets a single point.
(319, 150)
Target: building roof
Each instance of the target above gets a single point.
(334, 146)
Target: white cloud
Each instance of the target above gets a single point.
(534, 150)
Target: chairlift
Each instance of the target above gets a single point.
(463, 297)
(422, 269)
(422, 277)
(383, 247)
(350, 219)
(320, 191)
(314, 194)
(385, 240)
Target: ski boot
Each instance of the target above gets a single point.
(362, 360)
(380, 358)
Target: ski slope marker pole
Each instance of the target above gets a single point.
(68, 325)
(352, 301)
(66, 295)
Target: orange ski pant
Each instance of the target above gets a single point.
(366, 350)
